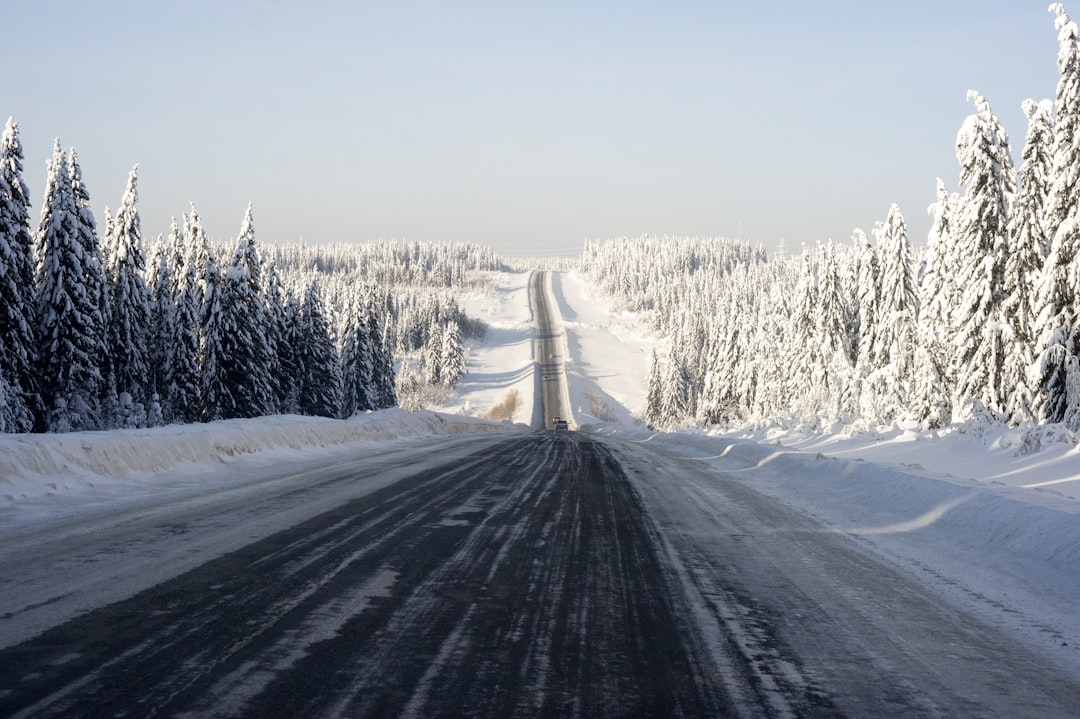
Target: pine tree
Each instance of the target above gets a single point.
(982, 252)
(96, 283)
(289, 354)
(868, 294)
(931, 405)
(215, 395)
(245, 355)
(380, 329)
(129, 325)
(1057, 368)
(654, 392)
(162, 322)
(452, 354)
(274, 301)
(1028, 247)
(320, 383)
(18, 353)
(358, 360)
(67, 317)
(894, 337)
(183, 382)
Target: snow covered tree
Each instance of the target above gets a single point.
(274, 300)
(320, 369)
(129, 323)
(95, 281)
(358, 359)
(385, 380)
(1023, 265)
(159, 279)
(215, 393)
(18, 353)
(68, 319)
(452, 354)
(894, 337)
(1057, 368)
(182, 385)
(868, 295)
(245, 356)
(931, 402)
(982, 251)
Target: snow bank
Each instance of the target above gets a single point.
(41, 465)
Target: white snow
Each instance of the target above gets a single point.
(48, 474)
(502, 361)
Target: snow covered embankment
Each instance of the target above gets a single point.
(81, 464)
(1009, 552)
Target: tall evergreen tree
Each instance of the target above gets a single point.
(245, 355)
(982, 247)
(452, 354)
(184, 381)
(276, 328)
(129, 324)
(162, 322)
(67, 317)
(380, 329)
(215, 393)
(18, 353)
(1028, 247)
(1057, 368)
(931, 403)
(320, 382)
(358, 357)
(896, 313)
(95, 281)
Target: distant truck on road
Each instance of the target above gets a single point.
(560, 423)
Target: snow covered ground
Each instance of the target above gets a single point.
(45, 476)
(502, 362)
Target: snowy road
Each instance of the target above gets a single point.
(550, 352)
(521, 580)
(544, 574)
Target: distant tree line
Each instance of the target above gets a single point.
(984, 323)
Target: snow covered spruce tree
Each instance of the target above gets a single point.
(159, 279)
(182, 378)
(68, 318)
(129, 322)
(245, 356)
(94, 278)
(358, 359)
(1023, 266)
(452, 354)
(931, 402)
(890, 381)
(981, 252)
(276, 331)
(18, 352)
(214, 389)
(317, 358)
(1057, 366)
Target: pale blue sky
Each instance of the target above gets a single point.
(527, 126)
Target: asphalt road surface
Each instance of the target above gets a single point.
(550, 352)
